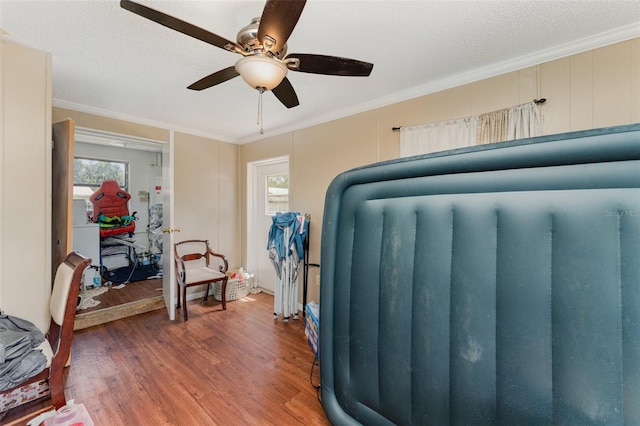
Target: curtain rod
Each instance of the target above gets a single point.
(537, 101)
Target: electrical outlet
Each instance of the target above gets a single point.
(318, 280)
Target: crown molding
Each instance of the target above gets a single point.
(59, 103)
(100, 137)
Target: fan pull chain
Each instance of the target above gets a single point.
(260, 92)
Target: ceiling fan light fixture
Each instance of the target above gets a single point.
(261, 71)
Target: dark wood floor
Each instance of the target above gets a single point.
(233, 367)
(130, 292)
(117, 303)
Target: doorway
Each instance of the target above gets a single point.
(268, 192)
(141, 161)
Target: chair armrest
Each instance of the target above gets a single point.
(225, 266)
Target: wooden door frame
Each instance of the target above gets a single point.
(252, 171)
(63, 135)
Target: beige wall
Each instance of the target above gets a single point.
(25, 183)
(206, 193)
(594, 89)
(319, 154)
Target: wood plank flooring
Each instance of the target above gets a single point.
(233, 367)
(132, 299)
(131, 292)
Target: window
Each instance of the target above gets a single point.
(277, 187)
(88, 174)
(91, 172)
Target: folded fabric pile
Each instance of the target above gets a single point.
(116, 221)
(19, 358)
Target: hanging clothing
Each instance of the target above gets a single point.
(281, 221)
(286, 250)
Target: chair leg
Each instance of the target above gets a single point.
(57, 391)
(224, 294)
(184, 302)
(178, 305)
(206, 292)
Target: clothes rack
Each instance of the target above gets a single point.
(306, 264)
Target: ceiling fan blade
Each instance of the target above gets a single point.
(330, 65)
(278, 20)
(215, 78)
(285, 94)
(180, 26)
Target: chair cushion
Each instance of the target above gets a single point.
(46, 349)
(202, 273)
(61, 285)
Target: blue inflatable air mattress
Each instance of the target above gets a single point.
(497, 284)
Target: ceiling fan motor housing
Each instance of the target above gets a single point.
(248, 38)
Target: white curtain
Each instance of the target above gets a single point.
(524, 121)
(493, 127)
(441, 136)
(520, 121)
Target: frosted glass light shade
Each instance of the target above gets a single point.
(261, 71)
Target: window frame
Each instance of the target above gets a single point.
(267, 203)
(124, 163)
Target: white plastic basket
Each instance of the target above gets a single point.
(236, 289)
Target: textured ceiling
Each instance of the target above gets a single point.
(109, 61)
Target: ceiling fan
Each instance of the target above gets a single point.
(263, 45)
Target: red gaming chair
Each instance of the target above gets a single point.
(110, 205)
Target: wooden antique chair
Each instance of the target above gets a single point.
(57, 345)
(195, 265)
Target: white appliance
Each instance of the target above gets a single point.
(86, 240)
